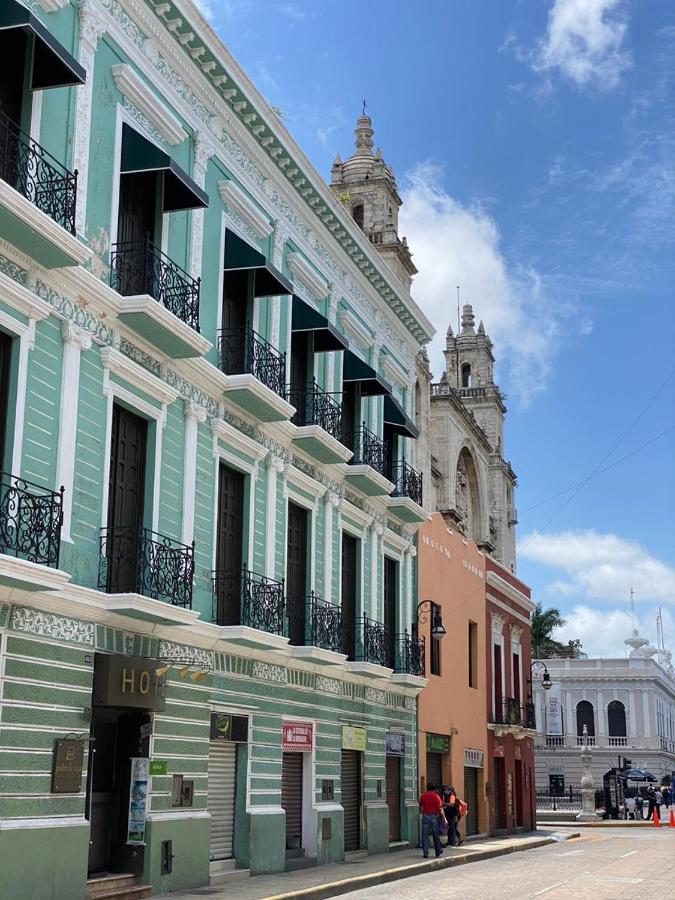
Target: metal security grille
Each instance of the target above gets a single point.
(434, 769)
(351, 798)
(394, 797)
(221, 794)
(291, 798)
(471, 799)
(499, 793)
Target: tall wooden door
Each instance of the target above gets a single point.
(349, 562)
(393, 774)
(136, 220)
(519, 791)
(498, 683)
(291, 798)
(126, 489)
(296, 572)
(299, 377)
(390, 580)
(229, 547)
(236, 304)
(13, 48)
(5, 368)
(350, 421)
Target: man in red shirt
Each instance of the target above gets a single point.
(431, 808)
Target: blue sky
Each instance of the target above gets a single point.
(534, 147)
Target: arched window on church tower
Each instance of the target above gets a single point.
(466, 375)
(357, 215)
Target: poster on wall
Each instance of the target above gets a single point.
(554, 710)
(138, 799)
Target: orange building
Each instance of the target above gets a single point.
(452, 731)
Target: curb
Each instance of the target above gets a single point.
(372, 879)
(603, 823)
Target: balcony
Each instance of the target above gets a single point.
(30, 535)
(367, 469)
(249, 608)
(511, 716)
(256, 374)
(162, 300)
(589, 741)
(555, 740)
(315, 629)
(408, 659)
(318, 424)
(405, 501)
(37, 201)
(148, 575)
(373, 650)
(617, 742)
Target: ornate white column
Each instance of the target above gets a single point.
(204, 150)
(92, 26)
(74, 342)
(331, 502)
(331, 310)
(279, 237)
(374, 571)
(410, 555)
(275, 467)
(570, 724)
(194, 416)
(375, 402)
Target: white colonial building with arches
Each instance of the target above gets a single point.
(627, 706)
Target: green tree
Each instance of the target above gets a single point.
(544, 646)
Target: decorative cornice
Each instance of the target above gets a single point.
(239, 203)
(504, 587)
(355, 329)
(71, 334)
(119, 364)
(231, 436)
(301, 269)
(140, 96)
(51, 6)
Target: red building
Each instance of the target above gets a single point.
(511, 725)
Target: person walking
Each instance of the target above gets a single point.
(651, 800)
(657, 802)
(451, 810)
(431, 808)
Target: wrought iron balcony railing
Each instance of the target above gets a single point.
(372, 642)
(314, 406)
(369, 450)
(409, 655)
(241, 597)
(138, 267)
(324, 622)
(243, 351)
(30, 520)
(408, 482)
(137, 560)
(510, 711)
(37, 175)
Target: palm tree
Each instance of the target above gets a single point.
(543, 623)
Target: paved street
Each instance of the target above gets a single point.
(603, 863)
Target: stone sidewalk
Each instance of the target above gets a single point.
(333, 880)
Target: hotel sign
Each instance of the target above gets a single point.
(129, 681)
(67, 766)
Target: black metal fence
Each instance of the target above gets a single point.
(242, 597)
(568, 800)
(409, 655)
(408, 482)
(512, 711)
(30, 520)
(324, 621)
(372, 642)
(243, 351)
(369, 450)
(314, 406)
(138, 560)
(37, 175)
(138, 267)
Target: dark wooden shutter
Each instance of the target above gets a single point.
(13, 48)
(471, 799)
(291, 798)
(499, 793)
(350, 420)
(518, 788)
(137, 207)
(390, 580)
(349, 557)
(351, 798)
(434, 769)
(296, 572)
(5, 361)
(229, 545)
(394, 797)
(499, 687)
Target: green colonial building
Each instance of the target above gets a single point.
(209, 657)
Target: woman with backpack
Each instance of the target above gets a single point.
(451, 806)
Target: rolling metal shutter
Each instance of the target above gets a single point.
(394, 797)
(351, 798)
(291, 798)
(434, 769)
(221, 793)
(471, 799)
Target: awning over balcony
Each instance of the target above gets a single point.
(355, 369)
(141, 155)
(326, 335)
(268, 281)
(396, 419)
(52, 65)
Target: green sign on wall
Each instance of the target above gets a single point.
(438, 743)
(158, 766)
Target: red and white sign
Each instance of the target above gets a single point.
(297, 736)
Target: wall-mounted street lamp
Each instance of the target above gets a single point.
(195, 670)
(538, 666)
(424, 610)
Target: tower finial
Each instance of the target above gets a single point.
(363, 111)
(364, 134)
(468, 319)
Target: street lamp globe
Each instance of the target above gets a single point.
(437, 628)
(546, 682)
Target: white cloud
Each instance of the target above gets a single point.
(460, 245)
(205, 8)
(603, 631)
(585, 41)
(601, 566)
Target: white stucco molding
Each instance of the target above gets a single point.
(237, 440)
(145, 100)
(247, 211)
(301, 269)
(506, 588)
(355, 329)
(394, 373)
(119, 364)
(51, 6)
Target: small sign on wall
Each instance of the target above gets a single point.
(473, 759)
(353, 738)
(297, 736)
(67, 765)
(394, 743)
